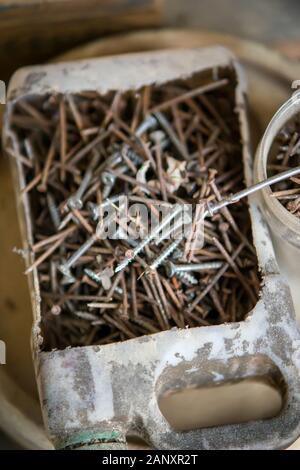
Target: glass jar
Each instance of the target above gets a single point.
(283, 223)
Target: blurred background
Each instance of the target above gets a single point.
(35, 31)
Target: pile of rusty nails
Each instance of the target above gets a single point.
(175, 143)
(285, 154)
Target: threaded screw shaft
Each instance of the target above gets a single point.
(165, 253)
(92, 275)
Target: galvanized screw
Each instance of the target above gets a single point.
(119, 291)
(109, 180)
(187, 277)
(117, 157)
(159, 138)
(102, 278)
(86, 315)
(177, 254)
(120, 233)
(92, 275)
(96, 209)
(149, 123)
(134, 157)
(75, 202)
(164, 123)
(53, 210)
(170, 269)
(166, 234)
(67, 219)
(65, 267)
(165, 254)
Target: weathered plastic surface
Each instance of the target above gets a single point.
(114, 388)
